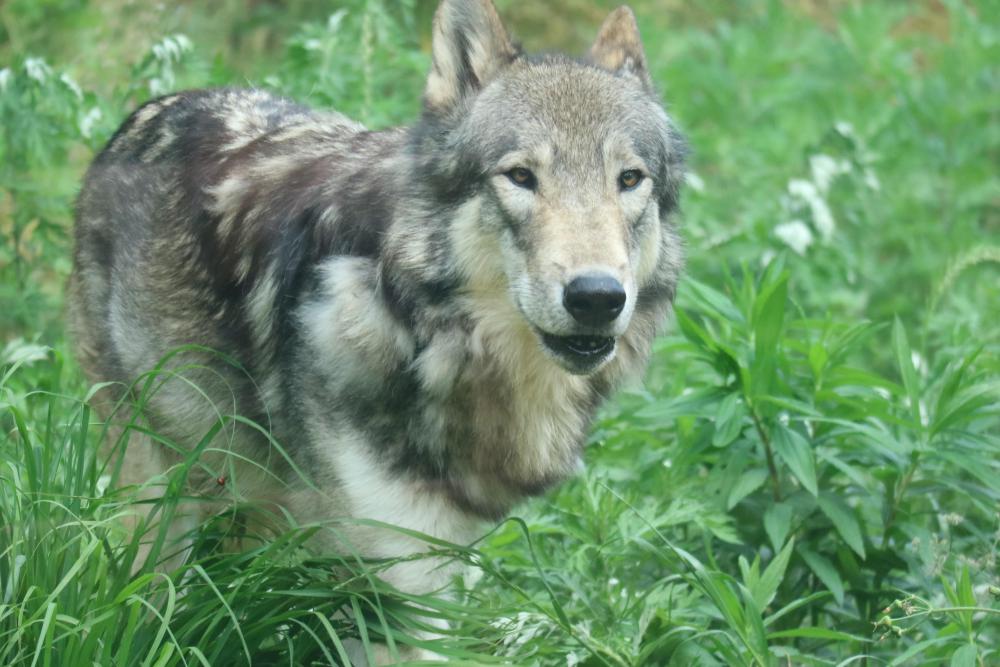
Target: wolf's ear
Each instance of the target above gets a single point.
(618, 46)
(470, 45)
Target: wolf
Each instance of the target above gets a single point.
(425, 318)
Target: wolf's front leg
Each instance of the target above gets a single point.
(367, 491)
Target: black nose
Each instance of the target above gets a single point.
(594, 299)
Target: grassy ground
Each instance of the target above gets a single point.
(811, 472)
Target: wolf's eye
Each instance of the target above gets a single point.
(629, 178)
(523, 178)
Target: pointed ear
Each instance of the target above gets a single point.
(618, 46)
(470, 46)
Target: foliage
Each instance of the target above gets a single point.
(810, 474)
(342, 64)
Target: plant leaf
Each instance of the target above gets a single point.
(816, 633)
(713, 302)
(777, 523)
(965, 656)
(795, 451)
(769, 581)
(749, 481)
(844, 521)
(904, 358)
(729, 421)
(825, 570)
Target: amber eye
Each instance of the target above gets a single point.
(629, 178)
(522, 177)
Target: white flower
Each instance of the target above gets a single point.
(802, 189)
(825, 168)
(4, 78)
(871, 180)
(822, 218)
(796, 235)
(333, 23)
(88, 122)
(171, 48)
(952, 518)
(37, 69)
(520, 630)
(844, 128)
(71, 84)
(694, 181)
(19, 351)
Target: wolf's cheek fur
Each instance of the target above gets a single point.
(493, 271)
(645, 253)
(477, 250)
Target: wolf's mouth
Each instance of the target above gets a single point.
(581, 351)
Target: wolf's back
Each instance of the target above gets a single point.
(199, 223)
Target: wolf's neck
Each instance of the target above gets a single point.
(514, 421)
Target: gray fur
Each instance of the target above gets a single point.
(385, 292)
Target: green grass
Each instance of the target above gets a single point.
(810, 474)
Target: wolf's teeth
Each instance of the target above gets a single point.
(582, 346)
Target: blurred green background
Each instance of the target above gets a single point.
(810, 473)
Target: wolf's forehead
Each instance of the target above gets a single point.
(573, 93)
(579, 106)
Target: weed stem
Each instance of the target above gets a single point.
(897, 498)
(772, 468)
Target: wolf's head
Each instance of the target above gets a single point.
(562, 174)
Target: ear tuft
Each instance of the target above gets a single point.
(470, 46)
(618, 46)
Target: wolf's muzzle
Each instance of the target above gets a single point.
(594, 299)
